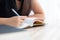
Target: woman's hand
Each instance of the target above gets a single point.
(39, 19)
(15, 21)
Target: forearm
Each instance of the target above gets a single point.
(3, 21)
(37, 16)
(37, 9)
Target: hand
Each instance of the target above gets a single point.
(39, 19)
(15, 21)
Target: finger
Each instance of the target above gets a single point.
(23, 17)
(21, 21)
(39, 19)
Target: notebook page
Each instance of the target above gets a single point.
(27, 22)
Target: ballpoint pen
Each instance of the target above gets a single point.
(15, 12)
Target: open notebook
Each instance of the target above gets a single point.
(29, 22)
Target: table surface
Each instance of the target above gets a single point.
(47, 32)
(9, 33)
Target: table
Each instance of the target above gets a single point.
(10, 33)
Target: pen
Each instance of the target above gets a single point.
(15, 12)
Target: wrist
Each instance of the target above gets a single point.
(5, 21)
